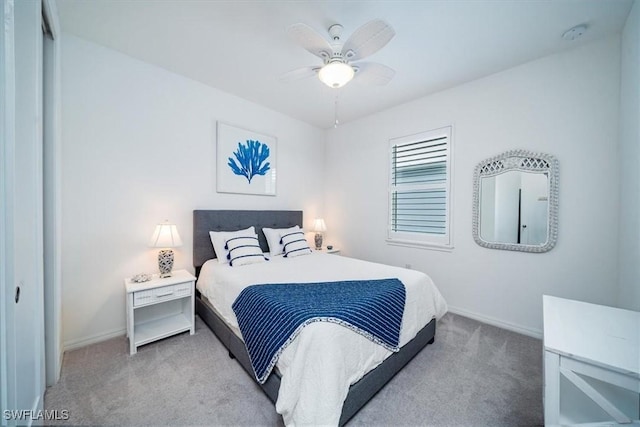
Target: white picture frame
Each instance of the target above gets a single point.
(246, 161)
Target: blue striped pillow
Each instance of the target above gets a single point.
(294, 244)
(244, 250)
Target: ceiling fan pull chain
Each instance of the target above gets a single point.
(335, 123)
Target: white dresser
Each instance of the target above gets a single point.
(591, 363)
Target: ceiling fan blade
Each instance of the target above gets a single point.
(309, 39)
(372, 73)
(298, 74)
(367, 40)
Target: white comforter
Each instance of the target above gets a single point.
(320, 365)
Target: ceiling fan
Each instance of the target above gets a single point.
(338, 58)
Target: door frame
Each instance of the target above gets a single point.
(52, 76)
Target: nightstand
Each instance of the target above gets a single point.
(159, 308)
(333, 250)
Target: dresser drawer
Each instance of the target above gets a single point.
(164, 293)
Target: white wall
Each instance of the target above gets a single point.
(565, 105)
(629, 221)
(139, 148)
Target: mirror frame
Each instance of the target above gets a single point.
(526, 161)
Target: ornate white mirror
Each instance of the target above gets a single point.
(515, 202)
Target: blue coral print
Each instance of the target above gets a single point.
(251, 158)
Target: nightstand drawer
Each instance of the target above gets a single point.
(164, 293)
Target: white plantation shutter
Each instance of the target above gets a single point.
(420, 188)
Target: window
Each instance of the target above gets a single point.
(420, 190)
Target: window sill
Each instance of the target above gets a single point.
(420, 245)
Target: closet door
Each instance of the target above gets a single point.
(23, 366)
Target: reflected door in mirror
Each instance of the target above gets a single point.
(514, 208)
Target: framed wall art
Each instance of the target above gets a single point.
(246, 161)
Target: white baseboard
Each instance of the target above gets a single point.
(83, 342)
(535, 333)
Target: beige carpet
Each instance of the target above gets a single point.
(473, 375)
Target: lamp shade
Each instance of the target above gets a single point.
(319, 226)
(165, 236)
(336, 74)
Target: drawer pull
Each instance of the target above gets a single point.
(165, 294)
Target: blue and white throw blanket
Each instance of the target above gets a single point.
(271, 316)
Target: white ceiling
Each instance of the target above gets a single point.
(241, 47)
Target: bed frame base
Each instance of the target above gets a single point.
(359, 393)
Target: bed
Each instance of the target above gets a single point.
(215, 312)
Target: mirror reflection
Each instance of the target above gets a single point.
(514, 207)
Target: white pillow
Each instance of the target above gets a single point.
(219, 240)
(273, 236)
(294, 244)
(244, 250)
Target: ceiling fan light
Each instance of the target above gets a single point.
(336, 74)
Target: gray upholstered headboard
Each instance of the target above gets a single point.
(226, 220)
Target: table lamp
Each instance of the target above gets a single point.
(319, 227)
(165, 236)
